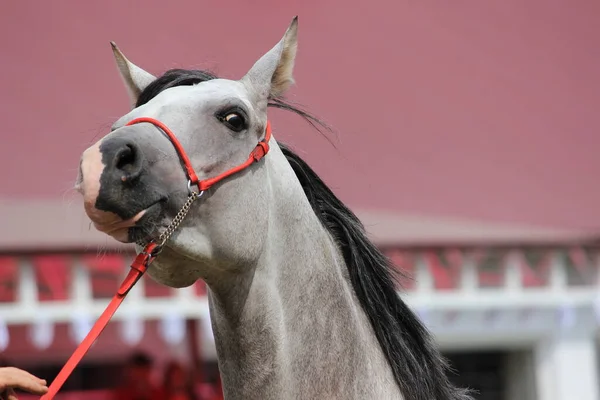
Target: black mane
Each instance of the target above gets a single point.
(418, 367)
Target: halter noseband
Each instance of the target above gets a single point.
(152, 249)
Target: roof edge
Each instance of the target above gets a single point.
(52, 225)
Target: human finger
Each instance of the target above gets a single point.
(11, 377)
(11, 395)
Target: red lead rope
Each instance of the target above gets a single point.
(144, 259)
(138, 267)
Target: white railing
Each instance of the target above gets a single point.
(467, 307)
(81, 302)
(512, 294)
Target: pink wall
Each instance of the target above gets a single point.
(474, 109)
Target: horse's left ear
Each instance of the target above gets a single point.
(271, 75)
(135, 78)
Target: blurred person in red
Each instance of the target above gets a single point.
(137, 383)
(176, 383)
(218, 389)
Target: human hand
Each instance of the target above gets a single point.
(13, 378)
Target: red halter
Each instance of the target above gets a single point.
(259, 152)
(144, 259)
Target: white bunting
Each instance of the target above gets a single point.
(567, 317)
(41, 333)
(172, 328)
(81, 325)
(423, 314)
(597, 308)
(207, 332)
(4, 336)
(132, 329)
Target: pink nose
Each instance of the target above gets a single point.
(114, 163)
(91, 169)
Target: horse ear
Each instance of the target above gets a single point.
(271, 75)
(135, 78)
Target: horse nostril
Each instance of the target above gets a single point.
(125, 158)
(127, 161)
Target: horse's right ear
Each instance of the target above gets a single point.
(135, 78)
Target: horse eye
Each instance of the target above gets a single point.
(235, 122)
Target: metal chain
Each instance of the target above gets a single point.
(164, 237)
(178, 218)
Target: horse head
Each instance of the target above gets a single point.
(132, 179)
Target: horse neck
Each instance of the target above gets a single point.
(295, 310)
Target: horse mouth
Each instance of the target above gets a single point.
(147, 226)
(139, 227)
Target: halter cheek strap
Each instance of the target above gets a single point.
(261, 149)
(152, 250)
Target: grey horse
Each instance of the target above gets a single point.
(303, 305)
